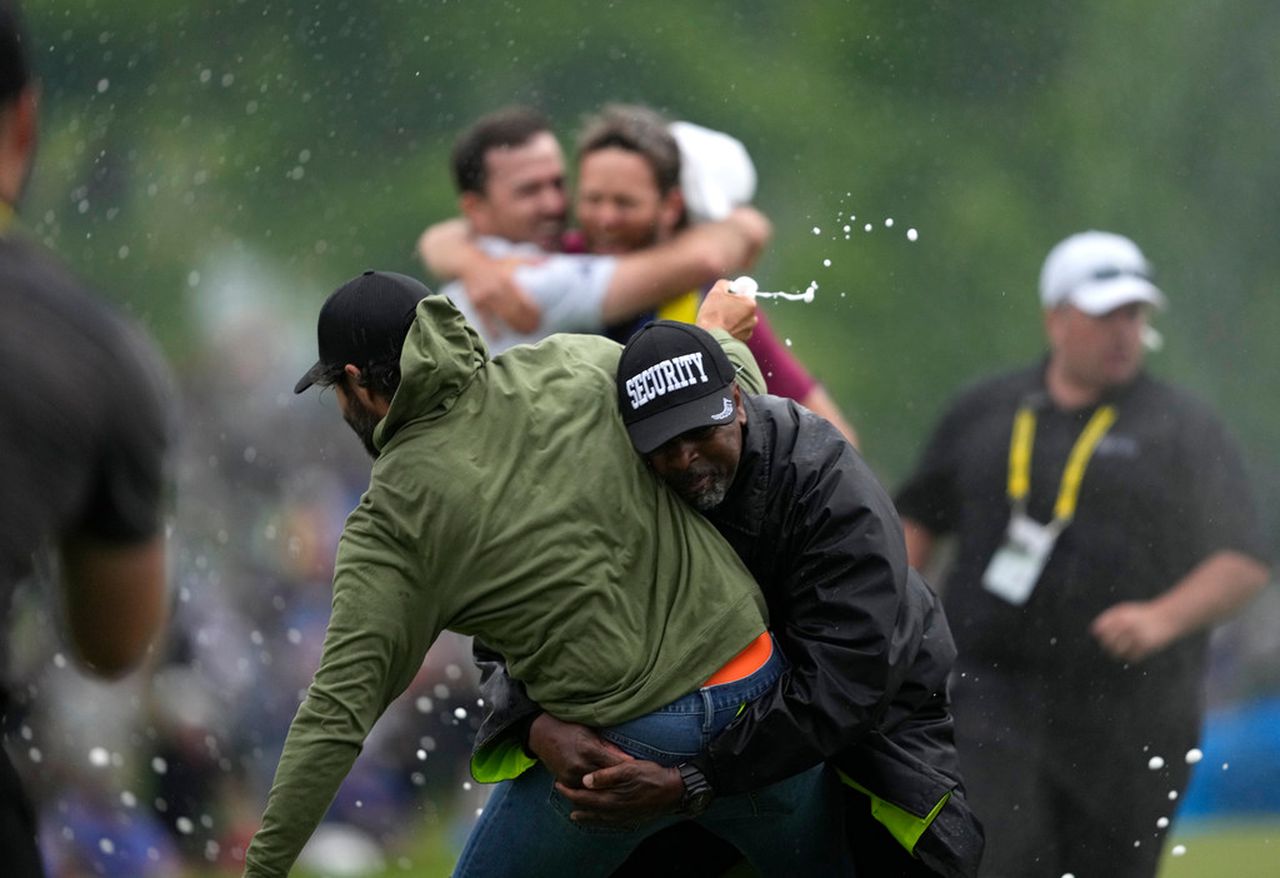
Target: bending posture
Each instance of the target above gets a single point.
(866, 682)
(505, 503)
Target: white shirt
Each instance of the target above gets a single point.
(569, 288)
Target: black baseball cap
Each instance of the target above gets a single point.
(673, 377)
(363, 322)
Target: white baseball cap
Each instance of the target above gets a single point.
(1097, 272)
(716, 172)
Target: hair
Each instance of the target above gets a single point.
(637, 129)
(381, 378)
(508, 127)
(14, 70)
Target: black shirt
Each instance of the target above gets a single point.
(1164, 489)
(84, 423)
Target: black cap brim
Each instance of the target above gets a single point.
(712, 410)
(314, 374)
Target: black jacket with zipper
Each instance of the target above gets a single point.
(867, 644)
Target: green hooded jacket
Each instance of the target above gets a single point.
(506, 502)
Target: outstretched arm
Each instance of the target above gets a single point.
(648, 278)
(448, 251)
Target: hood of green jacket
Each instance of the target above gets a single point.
(441, 356)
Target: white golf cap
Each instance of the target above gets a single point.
(716, 173)
(1097, 272)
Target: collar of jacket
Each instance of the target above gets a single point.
(744, 507)
(442, 354)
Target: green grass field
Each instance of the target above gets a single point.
(1225, 850)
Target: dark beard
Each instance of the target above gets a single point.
(363, 421)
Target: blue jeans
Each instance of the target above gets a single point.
(793, 827)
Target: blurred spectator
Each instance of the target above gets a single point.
(84, 437)
(1103, 524)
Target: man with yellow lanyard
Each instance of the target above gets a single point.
(1103, 524)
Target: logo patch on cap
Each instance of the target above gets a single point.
(725, 412)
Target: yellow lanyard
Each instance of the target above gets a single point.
(1024, 434)
(6, 216)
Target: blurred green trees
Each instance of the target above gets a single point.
(301, 142)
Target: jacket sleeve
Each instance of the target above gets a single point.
(499, 752)
(750, 378)
(848, 633)
(380, 627)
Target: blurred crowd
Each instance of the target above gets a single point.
(169, 768)
(166, 772)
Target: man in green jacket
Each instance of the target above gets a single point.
(505, 502)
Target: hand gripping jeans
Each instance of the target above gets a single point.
(793, 827)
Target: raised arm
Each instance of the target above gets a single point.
(448, 251)
(648, 278)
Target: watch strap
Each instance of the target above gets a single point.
(697, 789)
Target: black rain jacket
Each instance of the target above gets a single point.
(868, 647)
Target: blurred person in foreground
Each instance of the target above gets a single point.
(813, 525)
(1103, 523)
(84, 433)
(643, 183)
(505, 503)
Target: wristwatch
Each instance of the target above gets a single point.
(697, 791)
